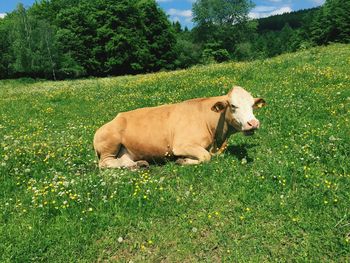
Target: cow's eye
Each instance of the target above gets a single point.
(234, 107)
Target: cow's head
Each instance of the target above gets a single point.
(238, 109)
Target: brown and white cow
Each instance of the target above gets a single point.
(190, 131)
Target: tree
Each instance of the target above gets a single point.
(332, 23)
(221, 12)
(177, 27)
(222, 21)
(21, 42)
(213, 52)
(187, 52)
(73, 38)
(112, 37)
(159, 35)
(286, 38)
(34, 47)
(5, 55)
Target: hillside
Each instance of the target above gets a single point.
(295, 20)
(281, 195)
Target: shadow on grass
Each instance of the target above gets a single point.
(241, 151)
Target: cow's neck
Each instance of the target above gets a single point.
(221, 130)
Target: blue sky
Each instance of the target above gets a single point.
(180, 10)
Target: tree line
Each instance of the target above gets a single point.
(57, 39)
(74, 38)
(216, 37)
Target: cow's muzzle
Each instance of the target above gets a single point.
(251, 126)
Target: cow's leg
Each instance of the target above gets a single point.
(123, 160)
(113, 162)
(110, 160)
(108, 146)
(111, 155)
(129, 162)
(193, 154)
(123, 163)
(187, 161)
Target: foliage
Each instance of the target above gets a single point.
(332, 23)
(74, 38)
(302, 29)
(281, 194)
(159, 37)
(188, 54)
(223, 24)
(5, 56)
(221, 12)
(96, 38)
(295, 20)
(273, 35)
(214, 53)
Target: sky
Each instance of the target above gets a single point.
(180, 10)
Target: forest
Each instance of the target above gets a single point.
(63, 39)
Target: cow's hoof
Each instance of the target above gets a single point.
(142, 164)
(181, 161)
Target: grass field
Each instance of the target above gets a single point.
(281, 195)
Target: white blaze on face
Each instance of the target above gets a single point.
(242, 108)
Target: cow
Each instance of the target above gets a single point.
(189, 132)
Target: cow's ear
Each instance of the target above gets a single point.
(259, 103)
(220, 106)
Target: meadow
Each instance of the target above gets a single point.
(280, 195)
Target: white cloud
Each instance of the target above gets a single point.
(175, 19)
(318, 2)
(263, 8)
(254, 15)
(178, 12)
(282, 10)
(2, 15)
(265, 11)
(164, 1)
(183, 16)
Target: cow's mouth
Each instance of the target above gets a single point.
(249, 132)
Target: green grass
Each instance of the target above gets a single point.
(281, 195)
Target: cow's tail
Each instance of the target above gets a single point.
(98, 155)
(97, 152)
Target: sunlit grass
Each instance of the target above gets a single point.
(283, 194)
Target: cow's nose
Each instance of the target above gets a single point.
(254, 124)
